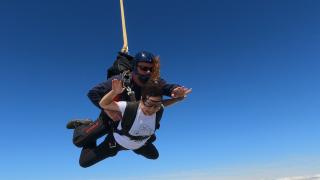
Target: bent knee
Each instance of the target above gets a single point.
(153, 156)
(84, 164)
(87, 162)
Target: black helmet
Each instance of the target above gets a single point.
(144, 56)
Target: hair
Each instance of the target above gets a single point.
(155, 75)
(152, 88)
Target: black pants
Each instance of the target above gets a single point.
(88, 134)
(91, 154)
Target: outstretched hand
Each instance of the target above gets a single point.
(117, 86)
(180, 92)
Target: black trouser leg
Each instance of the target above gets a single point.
(87, 134)
(148, 150)
(90, 155)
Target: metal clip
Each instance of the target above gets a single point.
(126, 79)
(112, 144)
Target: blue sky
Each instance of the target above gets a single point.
(253, 66)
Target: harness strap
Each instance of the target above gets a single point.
(129, 115)
(137, 138)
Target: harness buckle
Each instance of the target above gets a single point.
(112, 144)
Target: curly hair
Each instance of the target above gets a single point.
(155, 75)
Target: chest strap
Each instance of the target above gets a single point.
(136, 138)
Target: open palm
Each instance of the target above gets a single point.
(117, 86)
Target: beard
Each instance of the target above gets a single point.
(144, 78)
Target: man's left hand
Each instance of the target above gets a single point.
(180, 92)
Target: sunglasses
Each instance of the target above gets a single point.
(149, 104)
(145, 68)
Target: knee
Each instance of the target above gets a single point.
(153, 153)
(85, 161)
(154, 156)
(90, 156)
(84, 164)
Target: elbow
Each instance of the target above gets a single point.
(92, 95)
(94, 98)
(101, 105)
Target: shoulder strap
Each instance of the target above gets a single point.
(158, 117)
(129, 115)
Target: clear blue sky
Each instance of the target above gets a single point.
(253, 66)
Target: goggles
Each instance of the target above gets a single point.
(154, 104)
(145, 68)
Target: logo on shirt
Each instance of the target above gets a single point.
(144, 130)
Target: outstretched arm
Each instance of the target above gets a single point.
(107, 102)
(182, 91)
(173, 90)
(168, 102)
